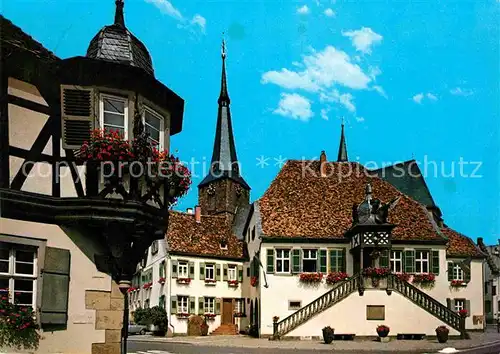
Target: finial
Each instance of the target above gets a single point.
(343, 120)
(223, 47)
(119, 18)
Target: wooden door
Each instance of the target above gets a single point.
(227, 311)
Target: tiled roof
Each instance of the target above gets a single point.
(186, 236)
(460, 245)
(300, 203)
(14, 37)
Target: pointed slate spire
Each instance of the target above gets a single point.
(224, 160)
(119, 18)
(342, 157)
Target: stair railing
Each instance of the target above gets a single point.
(339, 292)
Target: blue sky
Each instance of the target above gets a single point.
(411, 79)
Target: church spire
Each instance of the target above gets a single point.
(119, 18)
(224, 160)
(342, 157)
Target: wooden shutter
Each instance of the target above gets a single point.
(296, 253)
(224, 272)
(173, 304)
(162, 301)
(55, 287)
(435, 262)
(191, 270)
(77, 115)
(174, 268)
(409, 261)
(217, 306)
(201, 305)
(192, 305)
(322, 261)
(467, 307)
(217, 272)
(270, 260)
(450, 271)
(344, 260)
(466, 274)
(384, 259)
(202, 271)
(240, 273)
(333, 261)
(448, 303)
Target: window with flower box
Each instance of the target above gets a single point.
(337, 260)
(282, 260)
(183, 270)
(210, 272)
(209, 306)
(240, 308)
(309, 260)
(459, 304)
(421, 262)
(232, 273)
(114, 113)
(183, 304)
(458, 273)
(396, 261)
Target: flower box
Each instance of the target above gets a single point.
(162, 280)
(210, 282)
(373, 272)
(210, 316)
(147, 285)
(424, 280)
(336, 277)
(183, 280)
(254, 281)
(182, 315)
(457, 283)
(233, 283)
(309, 278)
(404, 276)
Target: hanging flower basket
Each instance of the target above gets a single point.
(162, 280)
(254, 281)
(183, 280)
(336, 277)
(425, 280)
(311, 278)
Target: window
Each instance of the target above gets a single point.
(18, 273)
(114, 114)
(240, 306)
(396, 261)
(309, 260)
(459, 304)
(458, 272)
(183, 304)
(336, 261)
(232, 273)
(209, 305)
(294, 305)
(153, 125)
(183, 271)
(494, 290)
(210, 272)
(421, 262)
(282, 261)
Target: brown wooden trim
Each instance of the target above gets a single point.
(4, 128)
(32, 106)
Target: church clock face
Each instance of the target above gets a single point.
(211, 190)
(239, 190)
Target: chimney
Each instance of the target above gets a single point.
(197, 213)
(189, 211)
(322, 164)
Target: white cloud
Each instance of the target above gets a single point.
(360, 119)
(419, 97)
(363, 39)
(324, 113)
(294, 106)
(166, 7)
(458, 91)
(380, 90)
(304, 10)
(329, 12)
(334, 95)
(200, 21)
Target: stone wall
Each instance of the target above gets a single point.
(225, 198)
(108, 306)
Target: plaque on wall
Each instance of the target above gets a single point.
(375, 312)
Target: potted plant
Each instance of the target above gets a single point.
(159, 321)
(463, 312)
(328, 334)
(383, 331)
(442, 334)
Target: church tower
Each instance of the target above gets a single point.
(223, 189)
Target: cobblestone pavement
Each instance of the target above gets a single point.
(420, 346)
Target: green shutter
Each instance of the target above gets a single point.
(217, 306)
(201, 305)
(191, 270)
(333, 261)
(343, 260)
(322, 261)
(174, 269)
(173, 304)
(384, 259)
(192, 305)
(270, 260)
(466, 274)
(448, 303)
(217, 272)
(202, 271)
(55, 287)
(409, 261)
(224, 272)
(435, 262)
(240, 273)
(162, 301)
(296, 260)
(450, 271)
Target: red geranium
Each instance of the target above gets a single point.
(376, 272)
(335, 277)
(311, 277)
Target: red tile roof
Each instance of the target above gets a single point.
(300, 203)
(460, 245)
(186, 236)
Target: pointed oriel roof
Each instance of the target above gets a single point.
(224, 160)
(342, 157)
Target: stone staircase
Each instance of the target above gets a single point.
(225, 330)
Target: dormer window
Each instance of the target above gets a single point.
(113, 113)
(223, 245)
